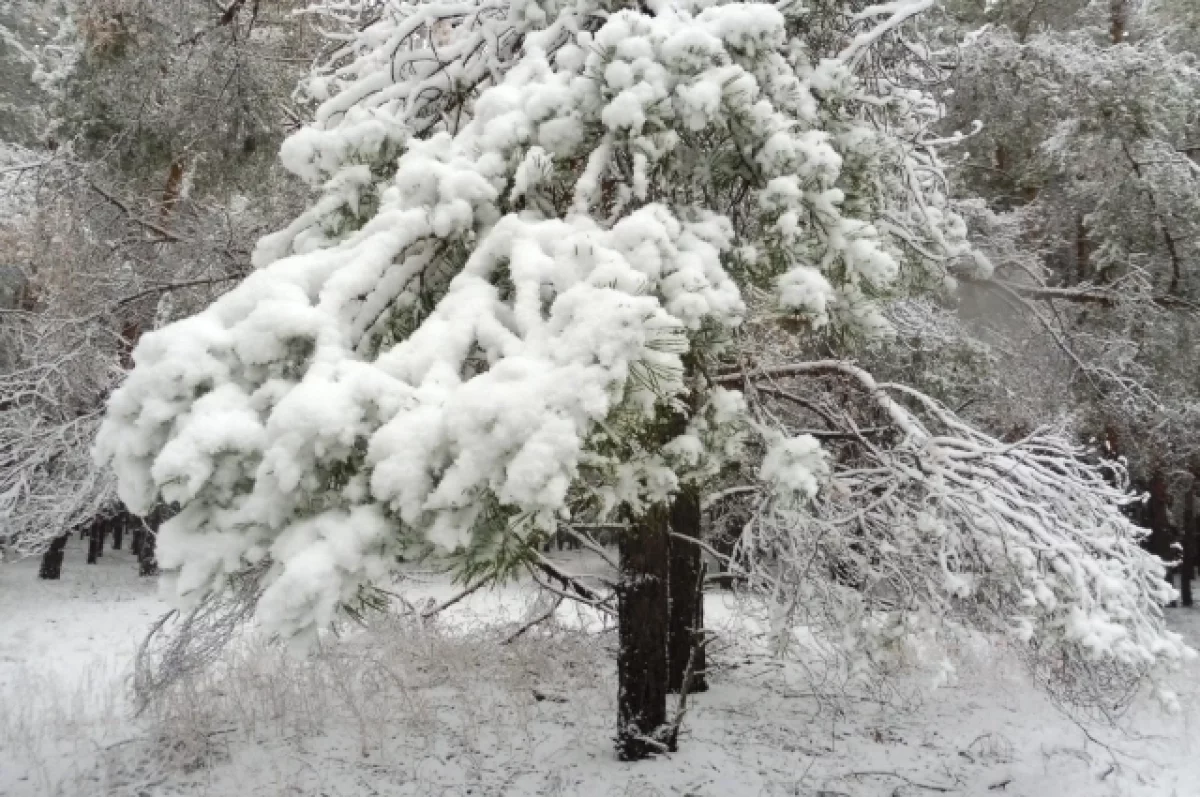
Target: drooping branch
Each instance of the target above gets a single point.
(1025, 537)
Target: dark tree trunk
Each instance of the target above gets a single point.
(642, 617)
(1118, 18)
(1157, 517)
(135, 538)
(52, 559)
(1188, 566)
(686, 590)
(685, 585)
(118, 531)
(95, 542)
(1082, 250)
(148, 539)
(147, 561)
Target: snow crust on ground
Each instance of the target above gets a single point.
(445, 709)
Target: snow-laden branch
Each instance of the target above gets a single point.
(944, 526)
(898, 12)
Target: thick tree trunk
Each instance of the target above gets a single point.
(686, 590)
(52, 559)
(642, 601)
(685, 586)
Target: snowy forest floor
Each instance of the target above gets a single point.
(445, 709)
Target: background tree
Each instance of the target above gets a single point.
(1088, 216)
(141, 205)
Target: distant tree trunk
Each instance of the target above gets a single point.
(1157, 516)
(642, 655)
(52, 559)
(118, 530)
(147, 559)
(1118, 20)
(685, 586)
(1158, 520)
(174, 186)
(95, 542)
(1082, 250)
(131, 333)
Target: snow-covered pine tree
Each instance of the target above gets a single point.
(537, 230)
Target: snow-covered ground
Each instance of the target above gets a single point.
(444, 709)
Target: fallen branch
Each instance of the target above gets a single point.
(24, 167)
(885, 774)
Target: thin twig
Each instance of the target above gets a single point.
(541, 618)
(124, 208)
(173, 286)
(448, 603)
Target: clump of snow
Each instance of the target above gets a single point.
(795, 467)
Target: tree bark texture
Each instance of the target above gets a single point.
(1187, 568)
(686, 593)
(642, 603)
